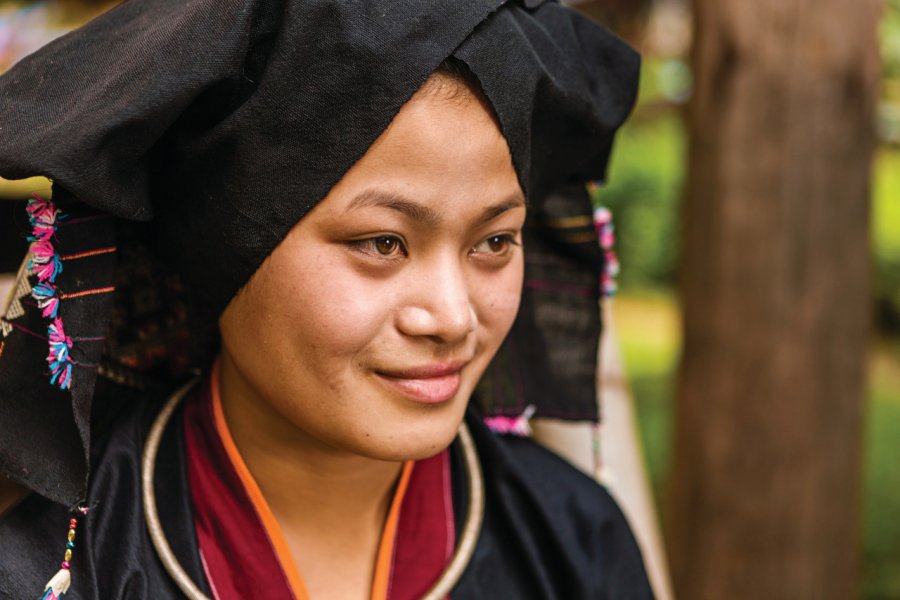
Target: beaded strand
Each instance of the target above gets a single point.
(59, 584)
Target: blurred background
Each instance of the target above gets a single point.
(649, 194)
(756, 200)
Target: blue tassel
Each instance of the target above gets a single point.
(47, 299)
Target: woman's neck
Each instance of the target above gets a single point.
(331, 505)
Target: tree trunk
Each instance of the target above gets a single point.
(764, 497)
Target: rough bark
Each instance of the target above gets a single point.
(764, 496)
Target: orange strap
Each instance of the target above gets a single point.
(385, 556)
(386, 549)
(282, 550)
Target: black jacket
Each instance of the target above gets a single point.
(549, 531)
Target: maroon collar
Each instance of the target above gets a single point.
(237, 553)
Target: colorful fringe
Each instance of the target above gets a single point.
(58, 358)
(607, 238)
(43, 216)
(519, 426)
(47, 299)
(46, 266)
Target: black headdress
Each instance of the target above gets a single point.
(207, 128)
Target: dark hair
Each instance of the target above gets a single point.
(454, 80)
(454, 68)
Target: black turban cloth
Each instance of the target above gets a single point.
(208, 128)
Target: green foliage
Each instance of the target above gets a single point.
(886, 239)
(645, 186)
(889, 107)
(881, 500)
(890, 40)
(645, 181)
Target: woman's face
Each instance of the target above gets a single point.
(368, 327)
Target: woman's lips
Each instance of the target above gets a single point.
(429, 385)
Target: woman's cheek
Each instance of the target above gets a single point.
(500, 298)
(339, 311)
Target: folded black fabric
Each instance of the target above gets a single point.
(207, 128)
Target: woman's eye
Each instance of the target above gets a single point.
(496, 245)
(387, 245)
(384, 246)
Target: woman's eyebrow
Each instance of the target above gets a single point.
(424, 214)
(380, 199)
(490, 213)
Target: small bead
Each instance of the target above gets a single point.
(73, 523)
(70, 545)
(71, 535)
(68, 556)
(65, 564)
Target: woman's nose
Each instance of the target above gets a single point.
(437, 305)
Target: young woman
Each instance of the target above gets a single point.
(327, 208)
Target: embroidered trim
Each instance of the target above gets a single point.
(105, 290)
(23, 330)
(582, 237)
(46, 265)
(570, 222)
(58, 357)
(44, 338)
(88, 253)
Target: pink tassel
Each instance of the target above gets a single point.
(43, 216)
(42, 231)
(46, 266)
(606, 237)
(519, 426)
(47, 299)
(58, 358)
(42, 251)
(48, 271)
(42, 211)
(605, 230)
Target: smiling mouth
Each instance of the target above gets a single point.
(428, 385)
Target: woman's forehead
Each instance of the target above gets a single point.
(435, 154)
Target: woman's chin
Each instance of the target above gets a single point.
(415, 438)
